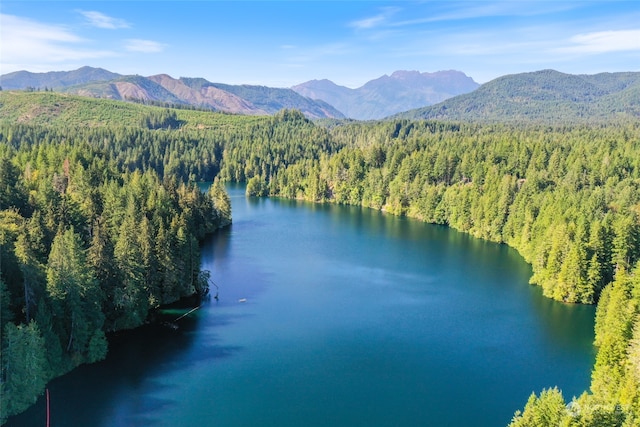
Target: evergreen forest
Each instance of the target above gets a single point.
(100, 219)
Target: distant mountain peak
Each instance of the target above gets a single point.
(402, 74)
(161, 76)
(389, 94)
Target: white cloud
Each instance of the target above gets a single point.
(144, 46)
(367, 23)
(460, 11)
(374, 21)
(26, 42)
(100, 20)
(455, 11)
(603, 42)
(15, 28)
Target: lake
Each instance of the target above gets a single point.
(338, 316)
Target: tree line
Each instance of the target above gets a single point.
(566, 199)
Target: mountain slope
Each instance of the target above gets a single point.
(339, 96)
(206, 95)
(543, 96)
(125, 88)
(274, 99)
(387, 95)
(198, 92)
(55, 79)
(66, 110)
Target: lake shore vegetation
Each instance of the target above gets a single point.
(100, 223)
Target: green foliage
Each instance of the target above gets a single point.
(74, 294)
(24, 373)
(587, 412)
(548, 409)
(131, 306)
(89, 244)
(56, 109)
(11, 192)
(256, 186)
(165, 119)
(5, 311)
(98, 346)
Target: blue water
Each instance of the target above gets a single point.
(338, 316)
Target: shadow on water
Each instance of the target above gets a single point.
(119, 388)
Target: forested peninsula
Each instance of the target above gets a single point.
(100, 218)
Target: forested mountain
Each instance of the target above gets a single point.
(55, 79)
(545, 96)
(163, 89)
(77, 174)
(387, 95)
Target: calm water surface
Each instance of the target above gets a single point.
(351, 318)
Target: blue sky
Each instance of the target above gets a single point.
(289, 42)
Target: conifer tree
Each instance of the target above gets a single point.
(75, 295)
(24, 372)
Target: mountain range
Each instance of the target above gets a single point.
(546, 96)
(387, 95)
(163, 89)
(401, 91)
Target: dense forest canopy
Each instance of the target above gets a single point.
(88, 245)
(76, 200)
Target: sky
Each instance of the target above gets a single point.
(284, 43)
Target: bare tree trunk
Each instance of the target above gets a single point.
(71, 333)
(27, 296)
